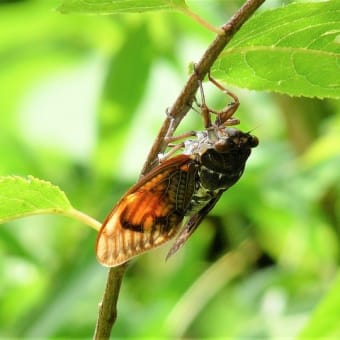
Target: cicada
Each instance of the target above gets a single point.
(181, 187)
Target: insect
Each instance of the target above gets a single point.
(182, 186)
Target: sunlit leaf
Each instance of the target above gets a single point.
(292, 50)
(21, 197)
(119, 6)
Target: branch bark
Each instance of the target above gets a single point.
(108, 306)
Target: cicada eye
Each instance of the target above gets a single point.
(254, 141)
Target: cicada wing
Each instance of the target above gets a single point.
(191, 225)
(140, 222)
(149, 214)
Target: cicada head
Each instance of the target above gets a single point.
(232, 138)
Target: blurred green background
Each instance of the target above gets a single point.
(81, 100)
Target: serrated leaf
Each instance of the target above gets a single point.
(324, 323)
(20, 197)
(293, 50)
(119, 6)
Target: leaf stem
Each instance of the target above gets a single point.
(201, 21)
(83, 218)
(73, 213)
(108, 309)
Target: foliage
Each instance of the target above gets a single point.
(296, 39)
(22, 197)
(82, 98)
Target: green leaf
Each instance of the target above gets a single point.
(324, 323)
(119, 6)
(21, 197)
(293, 50)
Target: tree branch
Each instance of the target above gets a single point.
(183, 102)
(108, 309)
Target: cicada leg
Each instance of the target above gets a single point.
(225, 116)
(169, 138)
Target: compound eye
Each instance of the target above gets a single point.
(254, 141)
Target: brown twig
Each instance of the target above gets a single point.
(108, 309)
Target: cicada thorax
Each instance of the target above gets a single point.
(221, 163)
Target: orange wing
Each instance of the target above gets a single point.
(149, 214)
